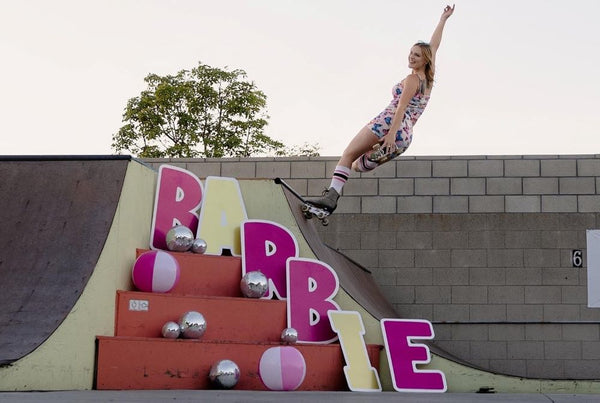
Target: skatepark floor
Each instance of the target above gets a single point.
(234, 396)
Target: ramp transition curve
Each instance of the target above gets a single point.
(55, 217)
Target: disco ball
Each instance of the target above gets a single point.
(179, 238)
(289, 335)
(224, 374)
(171, 330)
(199, 245)
(192, 325)
(254, 284)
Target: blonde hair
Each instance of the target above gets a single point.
(428, 56)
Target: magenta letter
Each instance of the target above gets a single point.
(178, 198)
(404, 355)
(311, 286)
(266, 246)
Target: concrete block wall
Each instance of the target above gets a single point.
(479, 245)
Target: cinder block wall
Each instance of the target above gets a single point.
(479, 245)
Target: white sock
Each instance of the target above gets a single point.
(339, 178)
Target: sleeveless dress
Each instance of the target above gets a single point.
(380, 124)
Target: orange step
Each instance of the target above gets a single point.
(151, 363)
(206, 274)
(142, 314)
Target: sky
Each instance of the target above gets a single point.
(515, 77)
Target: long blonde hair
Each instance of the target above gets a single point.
(428, 56)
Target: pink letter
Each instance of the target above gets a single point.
(311, 286)
(178, 198)
(404, 355)
(266, 246)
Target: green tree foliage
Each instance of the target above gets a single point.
(202, 112)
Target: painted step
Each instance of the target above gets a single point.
(142, 314)
(126, 363)
(206, 274)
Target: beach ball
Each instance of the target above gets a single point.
(254, 284)
(224, 374)
(155, 271)
(179, 238)
(192, 325)
(282, 368)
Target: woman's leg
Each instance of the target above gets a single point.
(360, 144)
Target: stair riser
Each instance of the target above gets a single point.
(206, 275)
(130, 363)
(228, 319)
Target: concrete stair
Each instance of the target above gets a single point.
(228, 319)
(207, 275)
(239, 329)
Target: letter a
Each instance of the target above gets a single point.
(222, 214)
(178, 198)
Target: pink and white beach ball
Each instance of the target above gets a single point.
(282, 368)
(155, 271)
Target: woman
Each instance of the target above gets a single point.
(390, 132)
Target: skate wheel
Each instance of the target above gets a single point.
(320, 215)
(325, 222)
(305, 207)
(308, 215)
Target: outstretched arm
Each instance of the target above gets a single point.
(436, 37)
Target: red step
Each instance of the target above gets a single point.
(206, 274)
(152, 363)
(142, 314)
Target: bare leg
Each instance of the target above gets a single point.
(360, 144)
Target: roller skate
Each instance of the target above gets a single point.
(320, 207)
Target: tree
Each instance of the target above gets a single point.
(202, 112)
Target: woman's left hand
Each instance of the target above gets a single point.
(447, 12)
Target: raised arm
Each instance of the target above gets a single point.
(436, 37)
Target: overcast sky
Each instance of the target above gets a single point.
(513, 77)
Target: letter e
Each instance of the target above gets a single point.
(404, 355)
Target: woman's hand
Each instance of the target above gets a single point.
(389, 142)
(447, 12)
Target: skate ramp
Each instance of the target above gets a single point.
(55, 217)
(97, 247)
(70, 229)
